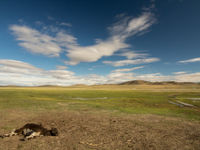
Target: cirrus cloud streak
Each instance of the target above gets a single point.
(56, 41)
(131, 62)
(190, 60)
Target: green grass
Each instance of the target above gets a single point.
(121, 101)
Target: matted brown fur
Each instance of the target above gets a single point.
(36, 128)
(83, 131)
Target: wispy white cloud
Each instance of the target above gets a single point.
(119, 32)
(34, 41)
(16, 64)
(52, 45)
(131, 54)
(61, 67)
(65, 24)
(13, 72)
(93, 53)
(20, 73)
(118, 77)
(190, 60)
(37, 42)
(65, 40)
(61, 74)
(129, 26)
(127, 69)
(179, 73)
(190, 77)
(131, 62)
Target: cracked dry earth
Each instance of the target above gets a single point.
(102, 131)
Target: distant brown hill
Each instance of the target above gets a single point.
(142, 82)
(135, 82)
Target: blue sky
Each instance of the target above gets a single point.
(95, 42)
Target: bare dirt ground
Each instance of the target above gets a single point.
(84, 131)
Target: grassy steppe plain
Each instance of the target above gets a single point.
(139, 99)
(104, 116)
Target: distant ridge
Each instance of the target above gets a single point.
(142, 82)
(133, 82)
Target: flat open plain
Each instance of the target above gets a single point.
(104, 117)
